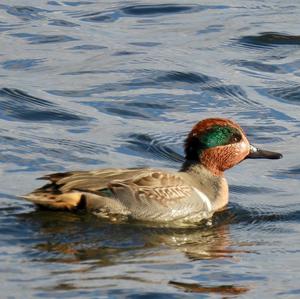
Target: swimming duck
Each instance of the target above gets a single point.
(192, 194)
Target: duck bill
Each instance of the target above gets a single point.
(256, 153)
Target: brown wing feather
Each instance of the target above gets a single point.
(87, 180)
(155, 186)
(145, 194)
(54, 177)
(65, 190)
(68, 190)
(156, 195)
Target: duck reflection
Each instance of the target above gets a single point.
(78, 237)
(218, 289)
(93, 243)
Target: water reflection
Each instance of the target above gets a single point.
(219, 289)
(80, 237)
(86, 244)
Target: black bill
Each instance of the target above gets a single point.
(256, 153)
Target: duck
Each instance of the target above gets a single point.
(193, 193)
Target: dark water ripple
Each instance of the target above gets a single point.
(62, 23)
(265, 134)
(161, 9)
(88, 47)
(25, 13)
(44, 39)
(267, 39)
(18, 105)
(149, 146)
(53, 151)
(152, 79)
(290, 173)
(100, 18)
(126, 111)
(76, 3)
(262, 217)
(192, 78)
(165, 9)
(145, 44)
(288, 91)
(4, 27)
(21, 64)
(140, 10)
(258, 66)
(73, 146)
(203, 84)
(250, 189)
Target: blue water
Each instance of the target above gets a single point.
(87, 84)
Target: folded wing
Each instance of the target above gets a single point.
(144, 194)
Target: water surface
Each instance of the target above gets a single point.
(88, 84)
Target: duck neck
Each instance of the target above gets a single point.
(214, 185)
(191, 165)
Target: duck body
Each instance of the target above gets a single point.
(140, 193)
(190, 195)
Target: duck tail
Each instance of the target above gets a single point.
(64, 201)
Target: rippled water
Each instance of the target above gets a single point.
(87, 84)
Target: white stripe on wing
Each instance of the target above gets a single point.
(204, 198)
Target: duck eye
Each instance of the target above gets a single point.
(235, 138)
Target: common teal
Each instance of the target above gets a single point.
(190, 195)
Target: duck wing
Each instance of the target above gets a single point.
(144, 194)
(161, 196)
(91, 181)
(78, 189)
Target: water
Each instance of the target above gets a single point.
(87, 84)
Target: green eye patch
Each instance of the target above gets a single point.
(218, 136)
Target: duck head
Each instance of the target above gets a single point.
(219, 144)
